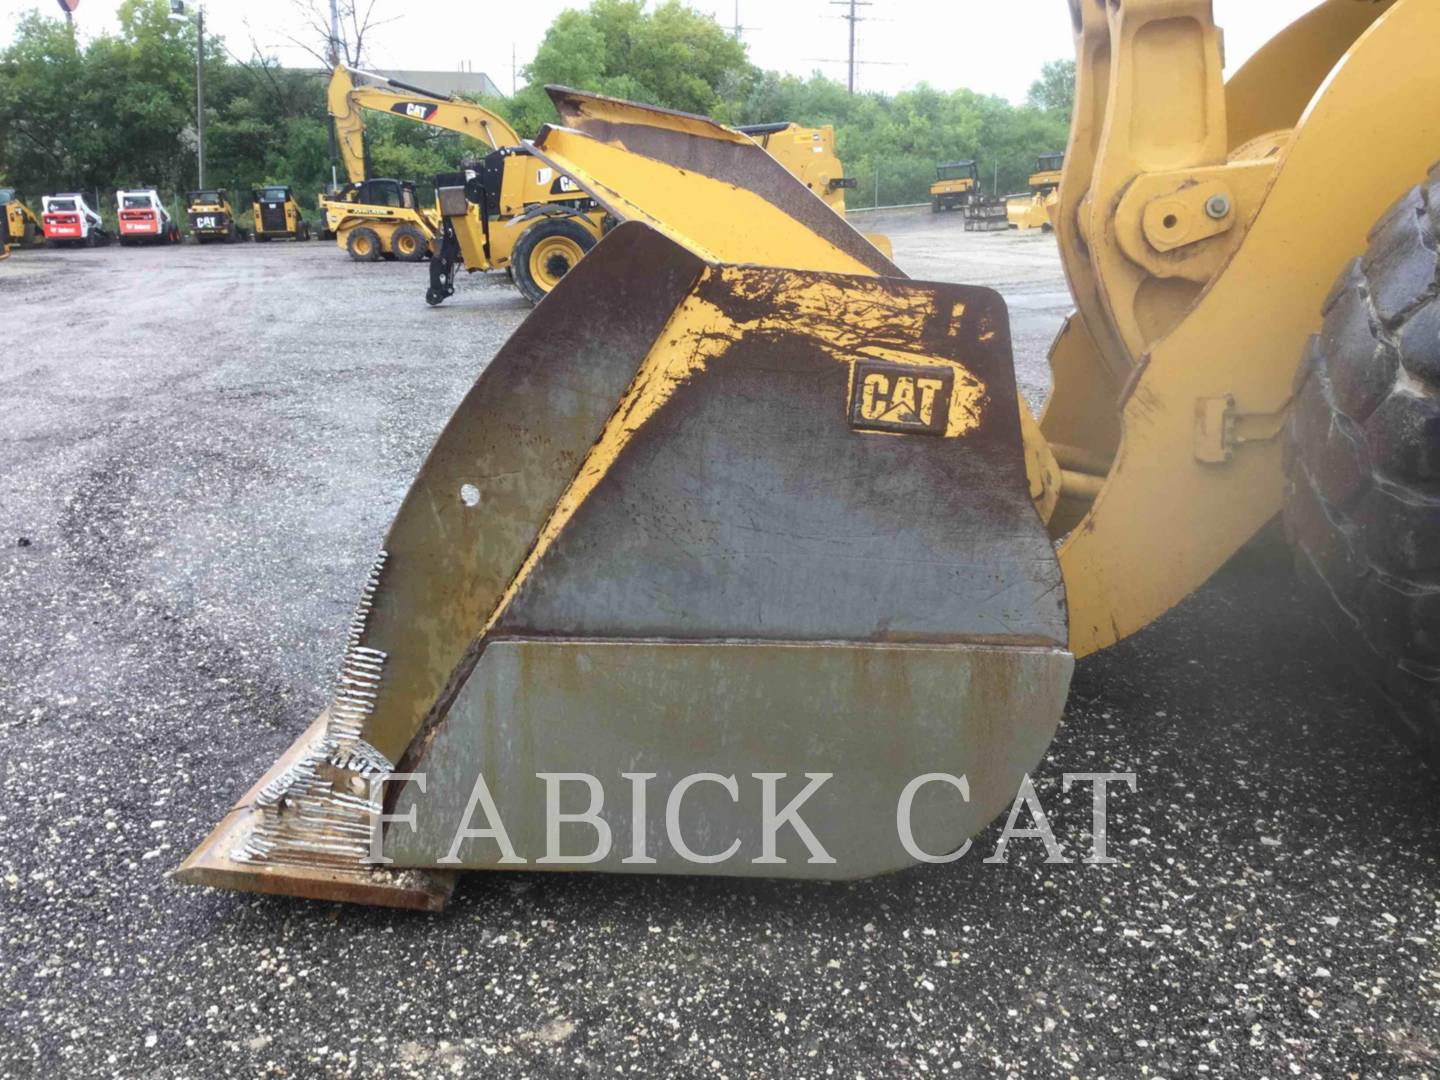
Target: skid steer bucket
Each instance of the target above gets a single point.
(705, 543)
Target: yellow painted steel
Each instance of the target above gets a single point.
(809, 153)
(16, 216)
(552, 258)
(718, 220)
(1197, 470)
(698, 333)
(1033, 210)
(464, 117)
(349, 124)
(1027, 212)
(1275, 85)
(346, 99)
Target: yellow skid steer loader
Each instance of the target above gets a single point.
(744, 541)
(508, 212)
(18, 223)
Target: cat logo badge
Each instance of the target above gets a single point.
(415, 110)
(893, 397)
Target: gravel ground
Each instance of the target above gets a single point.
(199, 452)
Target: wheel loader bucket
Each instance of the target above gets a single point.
(748, 525)
(708, 542)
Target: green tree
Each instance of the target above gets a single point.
(672, 56)
(121, 110)
(1054, 90)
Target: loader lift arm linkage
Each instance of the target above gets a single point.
(739, 488)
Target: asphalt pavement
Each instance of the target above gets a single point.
(200, 449)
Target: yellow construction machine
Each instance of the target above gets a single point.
(957, 186)
(372, 217)
(507, 212)
(212, 218)
(380, 218)
(18, 222)
(743, 556)
(277, 214)
(1031, 210)
(809, 153)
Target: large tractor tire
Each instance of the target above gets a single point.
(363, 244)
(548, 251)
(409, 244)
(1363, 465)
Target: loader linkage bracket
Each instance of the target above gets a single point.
(1220, 428)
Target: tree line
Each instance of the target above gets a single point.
(119, 110)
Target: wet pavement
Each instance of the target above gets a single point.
(199, 452)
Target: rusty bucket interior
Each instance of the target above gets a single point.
(704, 526)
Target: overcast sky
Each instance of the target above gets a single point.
(993, 46)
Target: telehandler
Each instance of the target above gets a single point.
(743, 519)
(1032, 209)
(277, 214)
(20, 225)
(212, 218)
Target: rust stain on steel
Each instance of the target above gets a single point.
(210, 863)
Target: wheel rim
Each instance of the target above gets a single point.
(405, 244)
(362, 246)
(552, 259)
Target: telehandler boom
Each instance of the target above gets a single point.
(743, 518)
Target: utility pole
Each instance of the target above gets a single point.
(200, 93)
(852, 17)
(177, 12)
(514, 68)
(334, 63)
(738, 27)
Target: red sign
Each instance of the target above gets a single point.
(68, 6)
